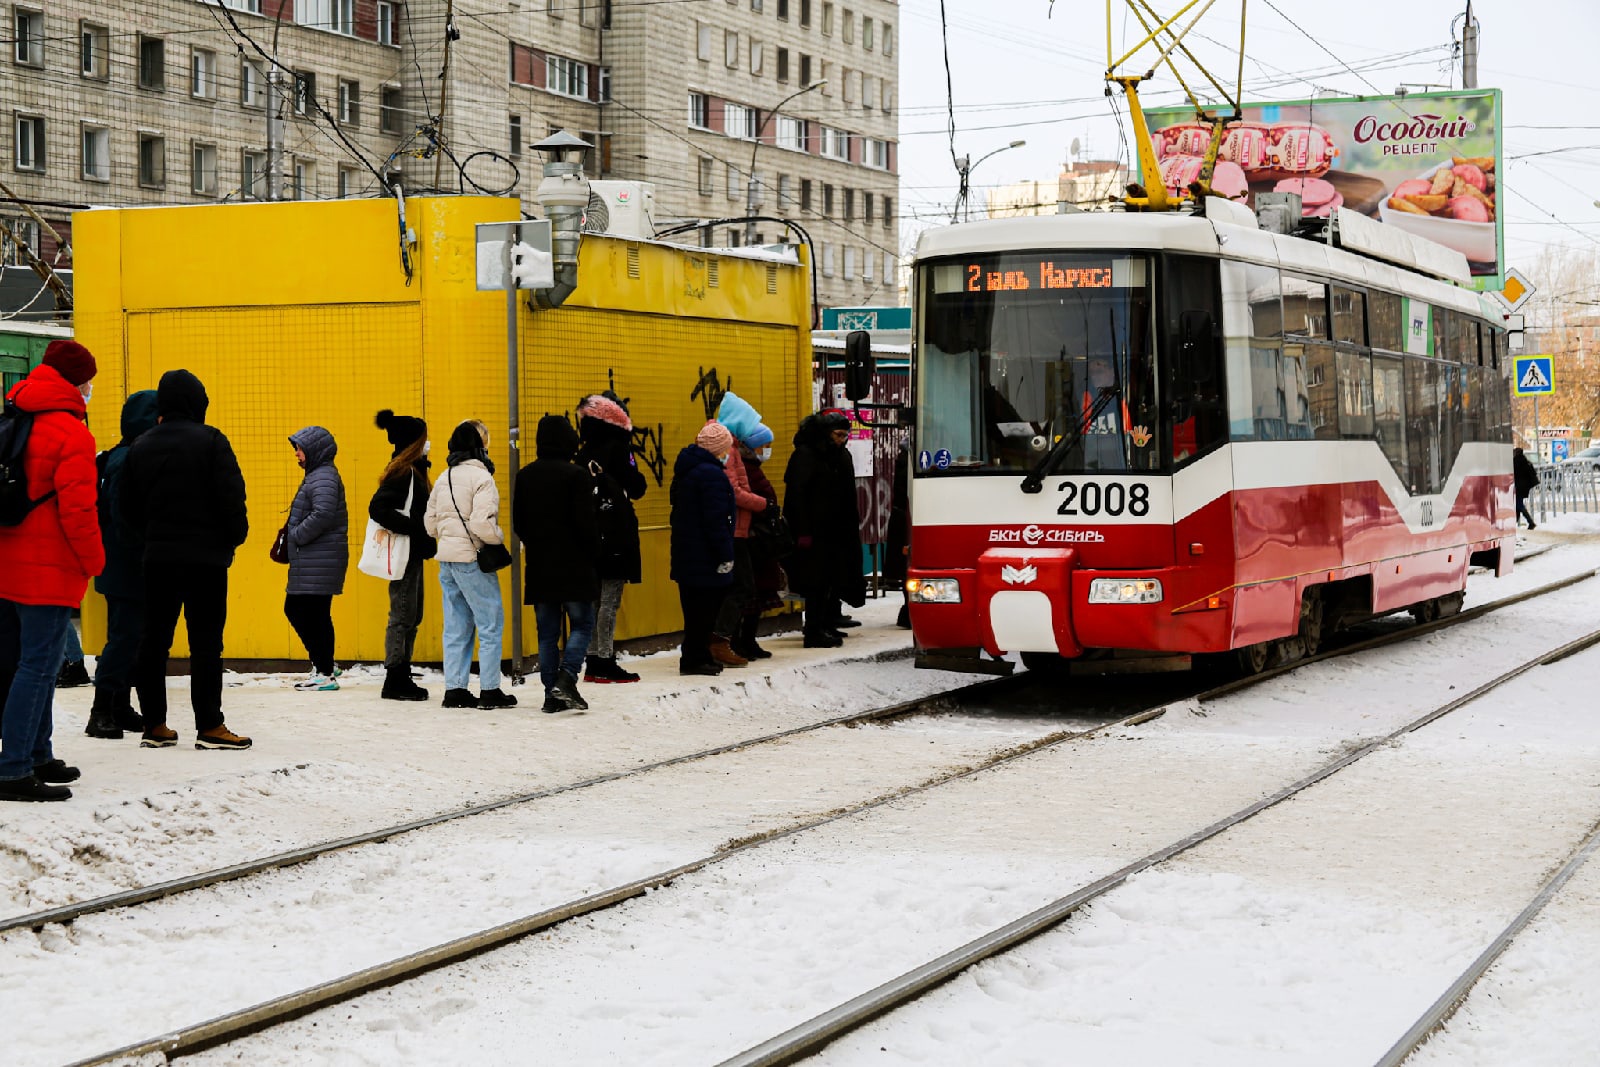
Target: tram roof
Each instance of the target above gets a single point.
(1232, 233)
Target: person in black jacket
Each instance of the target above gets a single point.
(405, 478)
(121, 583)
(607, 451)
(702, 542)
(820, 503)
(1524, 478)
(182, 493)
(318, 540)
(554, 515)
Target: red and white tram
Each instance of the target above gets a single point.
(1142, 437)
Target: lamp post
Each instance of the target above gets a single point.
(962, 211)
(753, 195)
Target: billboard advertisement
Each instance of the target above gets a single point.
(1428, 163)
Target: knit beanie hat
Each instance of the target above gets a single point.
(71, 360)
(555, 438)
(606, 410)
(760, 437)
(465, 438)
(402, 430)
(737, 415)
(714, 438)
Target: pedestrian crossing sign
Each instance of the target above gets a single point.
(1534, 377)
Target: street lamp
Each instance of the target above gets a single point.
(965, 169)
(753, 196)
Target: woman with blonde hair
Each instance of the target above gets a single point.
(399, 506)
(464, 514)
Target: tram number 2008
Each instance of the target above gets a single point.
(1110, 498)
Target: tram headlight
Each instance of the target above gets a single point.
(934, 590)
(1125, 591)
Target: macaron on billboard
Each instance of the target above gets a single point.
(1428, 163)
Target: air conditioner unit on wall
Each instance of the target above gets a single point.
(621, 209)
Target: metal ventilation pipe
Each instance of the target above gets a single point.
(564, 194)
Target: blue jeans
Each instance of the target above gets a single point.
(471, 605)
(72, 651)
(25, 729)
(549, 615)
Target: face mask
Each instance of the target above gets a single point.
(427, 446)
(87, 390)
(764, 454)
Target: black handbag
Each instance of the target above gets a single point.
(771, 533)
(491, 558)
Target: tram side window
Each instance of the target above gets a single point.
(1349, 315)
(1502, 350)
(1322, 388)
(1196, 420)
(1422, 425)
(1389, 411)
(1475, 421)
(1305, 307)
(1355, 393)
(1450, 336)
(1252, 327)
(1385, 321)
(1474, 354)
(1450, 417)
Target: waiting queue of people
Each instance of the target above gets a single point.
(156, 520)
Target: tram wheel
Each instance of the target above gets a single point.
(1252, 659)
(1311, 623)
(1451, 605)
(1425, 612)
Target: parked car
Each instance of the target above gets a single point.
(1589, 457)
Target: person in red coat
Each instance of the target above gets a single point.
(49, 558)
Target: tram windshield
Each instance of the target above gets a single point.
(1021, 350)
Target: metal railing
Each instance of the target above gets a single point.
(1564, 487)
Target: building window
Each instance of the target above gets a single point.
(888, 213)
(827, 20)
(888, 96)
(252, 6)
(702, 47)
(152, 161)
(603, 80)
(849, 205)
(706, 177)
(734, 183)
(805, 69)
(835, 143)
(866, 207)
(783, 10)
(888, 48)
(758, 55)
(304, 92)
(805, 13)
(252, 84)
(25, 234)
(96, 154)
(869, 91)
(29, 26)
(849, 262)
(805, 194)
(94, 50)
(756, 6)
(875, 153)
(848, 24)
(253, 176)
(586, 9)
(30, 143)
(597, 161)
(785, 190)
(847, 92)
(203, 170)
(386, 22)
(866, 264)
(791, 133)
(700, 111)
(152, 63)
(304, 180)
(391, 109)
(345, 184)
(202, 73)
(336, 15)
(888, 266)
(827, 201)
(827, 260)
(866, 33)
(730, 49)
(783, 65)
(553, 8)
(349, 103)
(516, 137)
(739, 121)
(566, 77)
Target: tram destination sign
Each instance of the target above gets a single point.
(1038, 271)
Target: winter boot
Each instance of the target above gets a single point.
(31, 788)
(822, 639)
(604, 669)
(220, 738)
(102, 719)
(127, 718)
(72, 675)
(397, 685)
(745, 642)
(490, 699)
(903, 620)
(459, 698)
(566, 690)
(724, 654)
(56, 772)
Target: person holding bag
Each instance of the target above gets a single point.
(606, 433)
(319, 553)
(463, 513)
(395, 516)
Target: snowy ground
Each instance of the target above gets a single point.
(1310, 935)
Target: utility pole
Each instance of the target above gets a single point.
(1469, 50)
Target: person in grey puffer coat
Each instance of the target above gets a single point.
(319, 552)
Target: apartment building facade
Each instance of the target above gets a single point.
(179, 101)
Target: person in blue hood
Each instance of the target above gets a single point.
(121, 583)
(319, 552)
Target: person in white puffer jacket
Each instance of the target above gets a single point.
(464, 515)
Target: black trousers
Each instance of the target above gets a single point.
(200, 592)
(700, 605)
(740, 592)
(822, 607)
(311, 616)
(113, 668)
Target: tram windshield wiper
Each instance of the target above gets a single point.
(1034, 482)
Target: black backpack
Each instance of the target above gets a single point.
(16, 426)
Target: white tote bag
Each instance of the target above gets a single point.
(384, 553)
